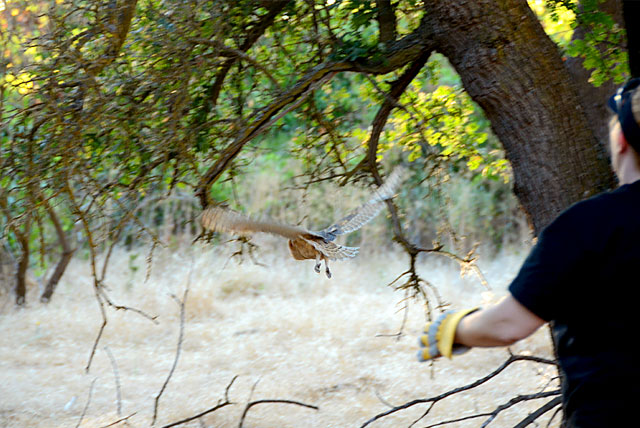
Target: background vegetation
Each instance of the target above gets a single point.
(122, 119)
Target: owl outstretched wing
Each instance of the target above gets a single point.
(366, 212)
(219, 219)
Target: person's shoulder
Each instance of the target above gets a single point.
(625, 194)
(602, 206)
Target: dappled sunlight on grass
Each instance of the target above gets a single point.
(285, 331)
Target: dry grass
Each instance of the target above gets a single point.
(286, 332)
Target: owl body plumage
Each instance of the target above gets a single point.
(306, 244)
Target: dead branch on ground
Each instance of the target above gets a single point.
(253, 403)
(221, 403)
(431, 401)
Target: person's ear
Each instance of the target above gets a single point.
(621, 145)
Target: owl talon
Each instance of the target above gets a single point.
(317, 268)
(328, 272)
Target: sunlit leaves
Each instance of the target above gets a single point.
(602, 44)
(23, 82)
(558, 22)
(444, 122)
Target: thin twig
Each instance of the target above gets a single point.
(100, 330)
(152, 318)
(253, 403)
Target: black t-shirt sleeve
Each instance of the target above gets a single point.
(546, 279)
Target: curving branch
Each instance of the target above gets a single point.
(253, 403)
(408, 50)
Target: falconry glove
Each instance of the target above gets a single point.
(440, 334)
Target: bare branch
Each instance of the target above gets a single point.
(551, 404)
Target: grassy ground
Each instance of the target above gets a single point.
(283, 332)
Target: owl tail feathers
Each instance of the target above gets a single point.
(392, 183)
(218, 219)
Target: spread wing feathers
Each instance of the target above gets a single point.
(366, 212)
(218, 219)
(332, 250)
(354, 221)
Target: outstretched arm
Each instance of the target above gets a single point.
(499, 325)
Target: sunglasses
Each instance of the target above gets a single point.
(617, 100)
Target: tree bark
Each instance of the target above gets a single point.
(511, 68)
(631, 10)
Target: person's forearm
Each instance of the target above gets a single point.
(484, 329)
(498, 325)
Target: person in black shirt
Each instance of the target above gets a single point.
(581, 277)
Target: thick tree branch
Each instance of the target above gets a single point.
(386, 21)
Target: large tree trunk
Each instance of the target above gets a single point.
(631, 10)
(514, 72)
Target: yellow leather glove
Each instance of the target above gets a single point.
(439, 335)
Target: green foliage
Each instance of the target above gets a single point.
(102, 115)
(602, 46)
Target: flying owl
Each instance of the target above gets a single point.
(306, 244)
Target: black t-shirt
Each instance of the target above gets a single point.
(583, 276)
